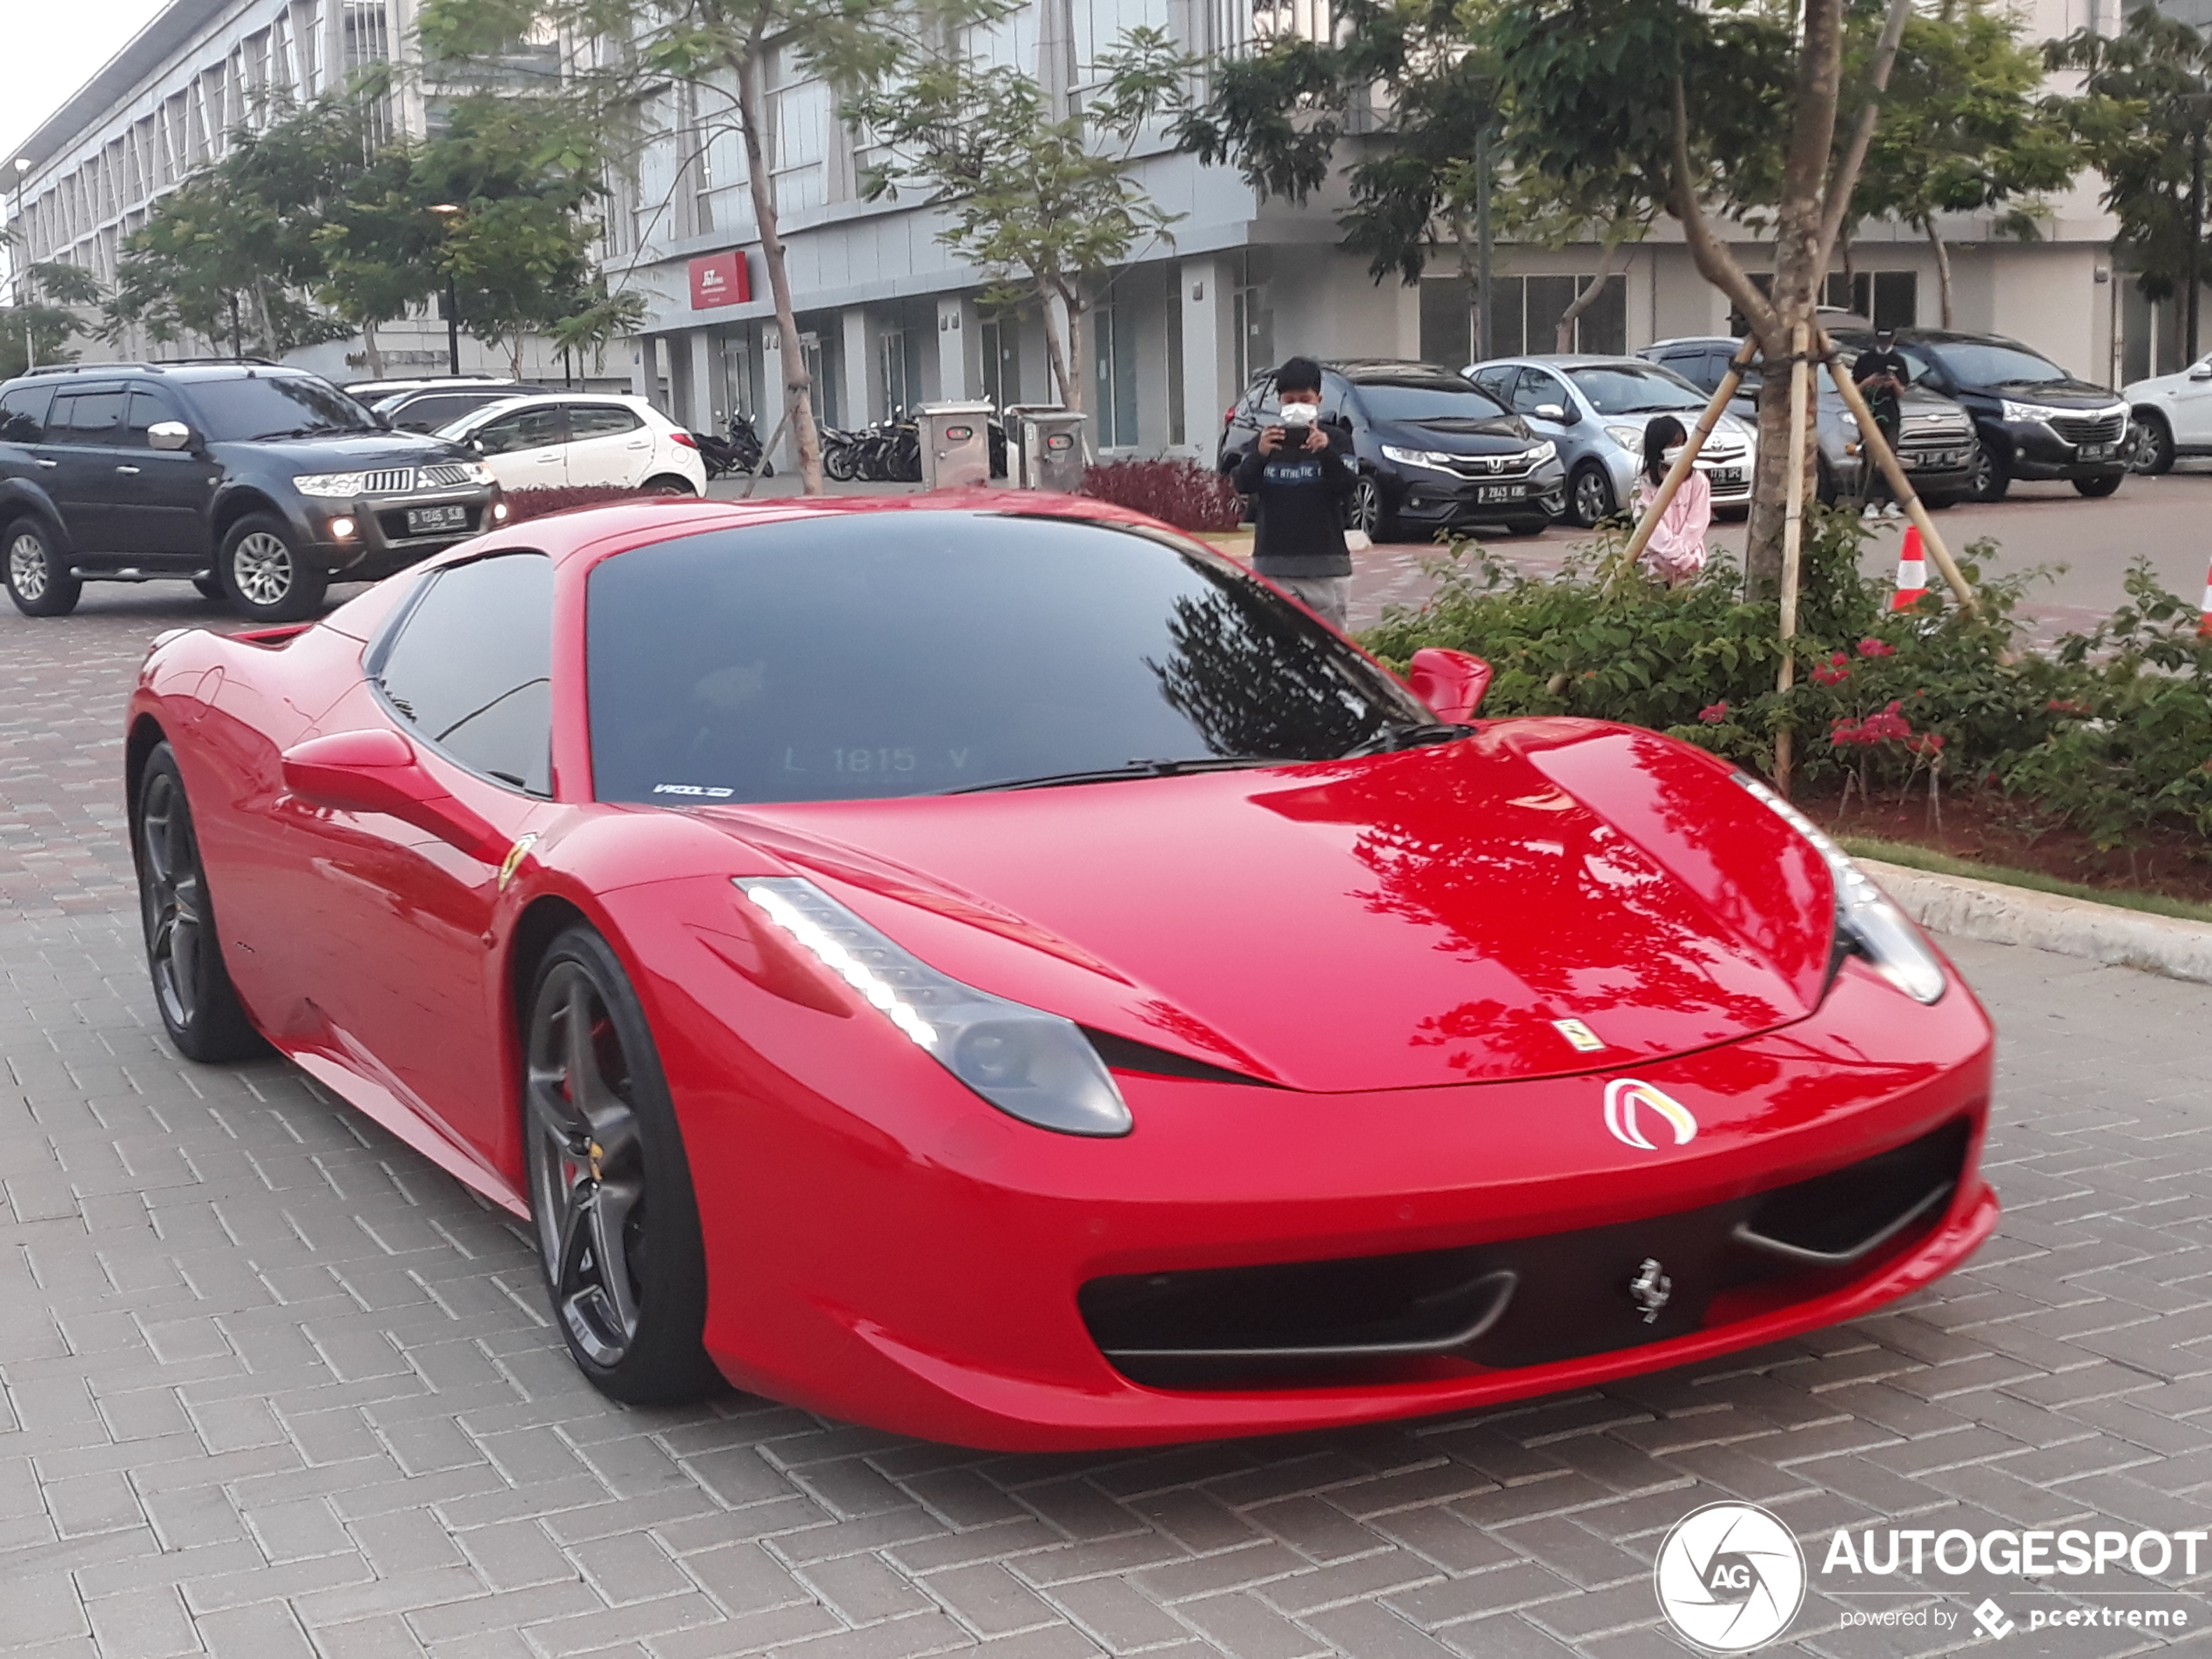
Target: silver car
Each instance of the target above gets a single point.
(1595, 410)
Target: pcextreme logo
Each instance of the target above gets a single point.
(1627, 1101)
(1730, 1577)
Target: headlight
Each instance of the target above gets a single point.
(1428, 458)
(336, 486)
(2027, 411)
(1032, 1065)
(477, 473)
(1865, 920)
(1545, 451)
(1629, 437)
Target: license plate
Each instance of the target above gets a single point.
(429, 520)
(1725, 477)
(1499, 492)
(2099, 451)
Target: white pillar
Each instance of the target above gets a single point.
(706, 386)
(774, 397)
(957, 366)
(856, 361)
(640, 366)
(1207, 294)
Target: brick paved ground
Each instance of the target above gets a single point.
(271, 1385)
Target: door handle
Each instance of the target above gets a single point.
(638, 446)
(133, 471)
(45, 463)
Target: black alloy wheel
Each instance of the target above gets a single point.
(1590, 496)
(1363, 509)
(1987, 477)
(263, 574)
(2150, 449)
(610, 1191)
(192, 988)
(2098, 487)
(37, 577)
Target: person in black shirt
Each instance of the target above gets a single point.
(1882, 374)
(1298, 475)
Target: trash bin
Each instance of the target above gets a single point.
(1046, 447)
(955, 445)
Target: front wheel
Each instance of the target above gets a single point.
(264, 576)
(1364, 511)
(39, 577)
(610, 1190)
(1527, 526)
(192, 988)
(1589, 496)
(1988, 477)
(2151, 450)
(2097, 489)
(669, 484)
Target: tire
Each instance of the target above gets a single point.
(1988, 476)
(263, 576)
(1364, 511)
(767, 467)
(668, 483)
(612, 1200)
(2151, 453)
(1940, 503)
(192, 988)
(207, 587)
(837, 462)
(38, 578)
(2097, 489)
(1527, 526)
(1590, 496)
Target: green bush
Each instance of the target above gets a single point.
(2109, 732)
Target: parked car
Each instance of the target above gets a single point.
(566, 439)
(425, 409)
(1595, 410)
(2031, 419)
(1935, 437)
(1434, 452)
(799, 952)
(260, 485)
(2170, 416)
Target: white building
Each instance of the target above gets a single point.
(887, 317)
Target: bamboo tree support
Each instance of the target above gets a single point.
(760, 469)
(1873, 444)
(1793, 534)
(1664, 497)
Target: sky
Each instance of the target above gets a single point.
(52, 48)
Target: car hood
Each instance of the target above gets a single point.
(2059, 395)
(1458, 436)
(347, 454)
(1397, 921)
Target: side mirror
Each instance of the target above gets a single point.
(169, 434)
(2202, 372)
(1451, 681)
(1551, 412)
(476, 444)
(379, 771)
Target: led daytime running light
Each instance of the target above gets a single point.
(842, 962)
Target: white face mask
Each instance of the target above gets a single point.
(1297, 414)
(1671, 454)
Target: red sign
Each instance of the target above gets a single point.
(720, 279)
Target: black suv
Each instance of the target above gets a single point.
(1434, 451)
(258, 484)
(2034, 419)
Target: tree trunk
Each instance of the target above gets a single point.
(1943, 265)
(1563, 337)
(797, 383)
(372, 356)
(1850, 270)
(1056, 353)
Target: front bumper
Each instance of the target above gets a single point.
(920, 1263)
(1729, 477)
(2039, 451)
(1421, 496)
(385, 537)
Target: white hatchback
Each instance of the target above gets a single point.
(568, 439)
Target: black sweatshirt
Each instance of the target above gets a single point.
(1297, 504)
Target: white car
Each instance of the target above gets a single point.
(2171, 415)
(568, 439)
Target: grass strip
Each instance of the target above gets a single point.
(1915, 856)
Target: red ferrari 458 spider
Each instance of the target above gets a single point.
(988, 967)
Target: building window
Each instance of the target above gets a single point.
(890, 365)
(1887, 299)
(1002, 351)
(1176, 425)
(1114, 377)
(1527, 312)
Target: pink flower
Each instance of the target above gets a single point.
(1713, 713)
(1828, 674)
(1875, 648)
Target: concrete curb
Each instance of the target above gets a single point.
(2003, 915)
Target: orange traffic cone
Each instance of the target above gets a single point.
(1913, 573)
(2204, 626)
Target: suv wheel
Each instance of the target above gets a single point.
(38, 580)
(2151, 452)
(1988, 477)
(1589, 496)
(263, 575)
(2101, 486)
(1364, 510)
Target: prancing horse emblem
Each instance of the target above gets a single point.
(1650, 1290)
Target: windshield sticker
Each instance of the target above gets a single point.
(702, 791)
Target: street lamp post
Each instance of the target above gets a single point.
(448, 214)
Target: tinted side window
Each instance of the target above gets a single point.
(429, 413)
(524, 429)
(1535, 389)
(147, 407)
(471, 668)
(22, 413)
(1495, 381)
(601, 420)
(84, 417)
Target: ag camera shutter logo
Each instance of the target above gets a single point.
(1729, 1577)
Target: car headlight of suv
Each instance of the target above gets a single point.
(1867, 924)
(477, 473)
(1030, 1064)
(1434, 460)
(330, 486)
(2030, 411)
(1629, 437)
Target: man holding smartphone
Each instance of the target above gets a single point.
(1882, 374)
(1298, 475)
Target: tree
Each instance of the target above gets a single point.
(1963, 131)
(378, 242)
(628, 55)
(46, 315)
(2140, 118)
(1035, 198)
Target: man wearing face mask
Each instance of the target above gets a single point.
(1882, 374)
(1298, 475)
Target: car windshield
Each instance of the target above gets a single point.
(1625, 388)
(864, 655)
(1978, 362)
(275, 406)
(1428, 399)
